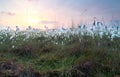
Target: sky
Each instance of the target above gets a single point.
(57, 13)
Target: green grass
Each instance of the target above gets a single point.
(44, 55)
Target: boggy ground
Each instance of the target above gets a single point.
(11, 69)
(88, 69)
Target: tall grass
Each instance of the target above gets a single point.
(63, 51)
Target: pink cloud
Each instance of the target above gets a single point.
(48, 22)
(7, 13)
(33, 0)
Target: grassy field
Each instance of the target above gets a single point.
(65, 55)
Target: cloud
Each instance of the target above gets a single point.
(48, 22)
(7, 13)
(33, 0)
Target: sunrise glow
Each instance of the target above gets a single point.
(33, 21)
(57, 13)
